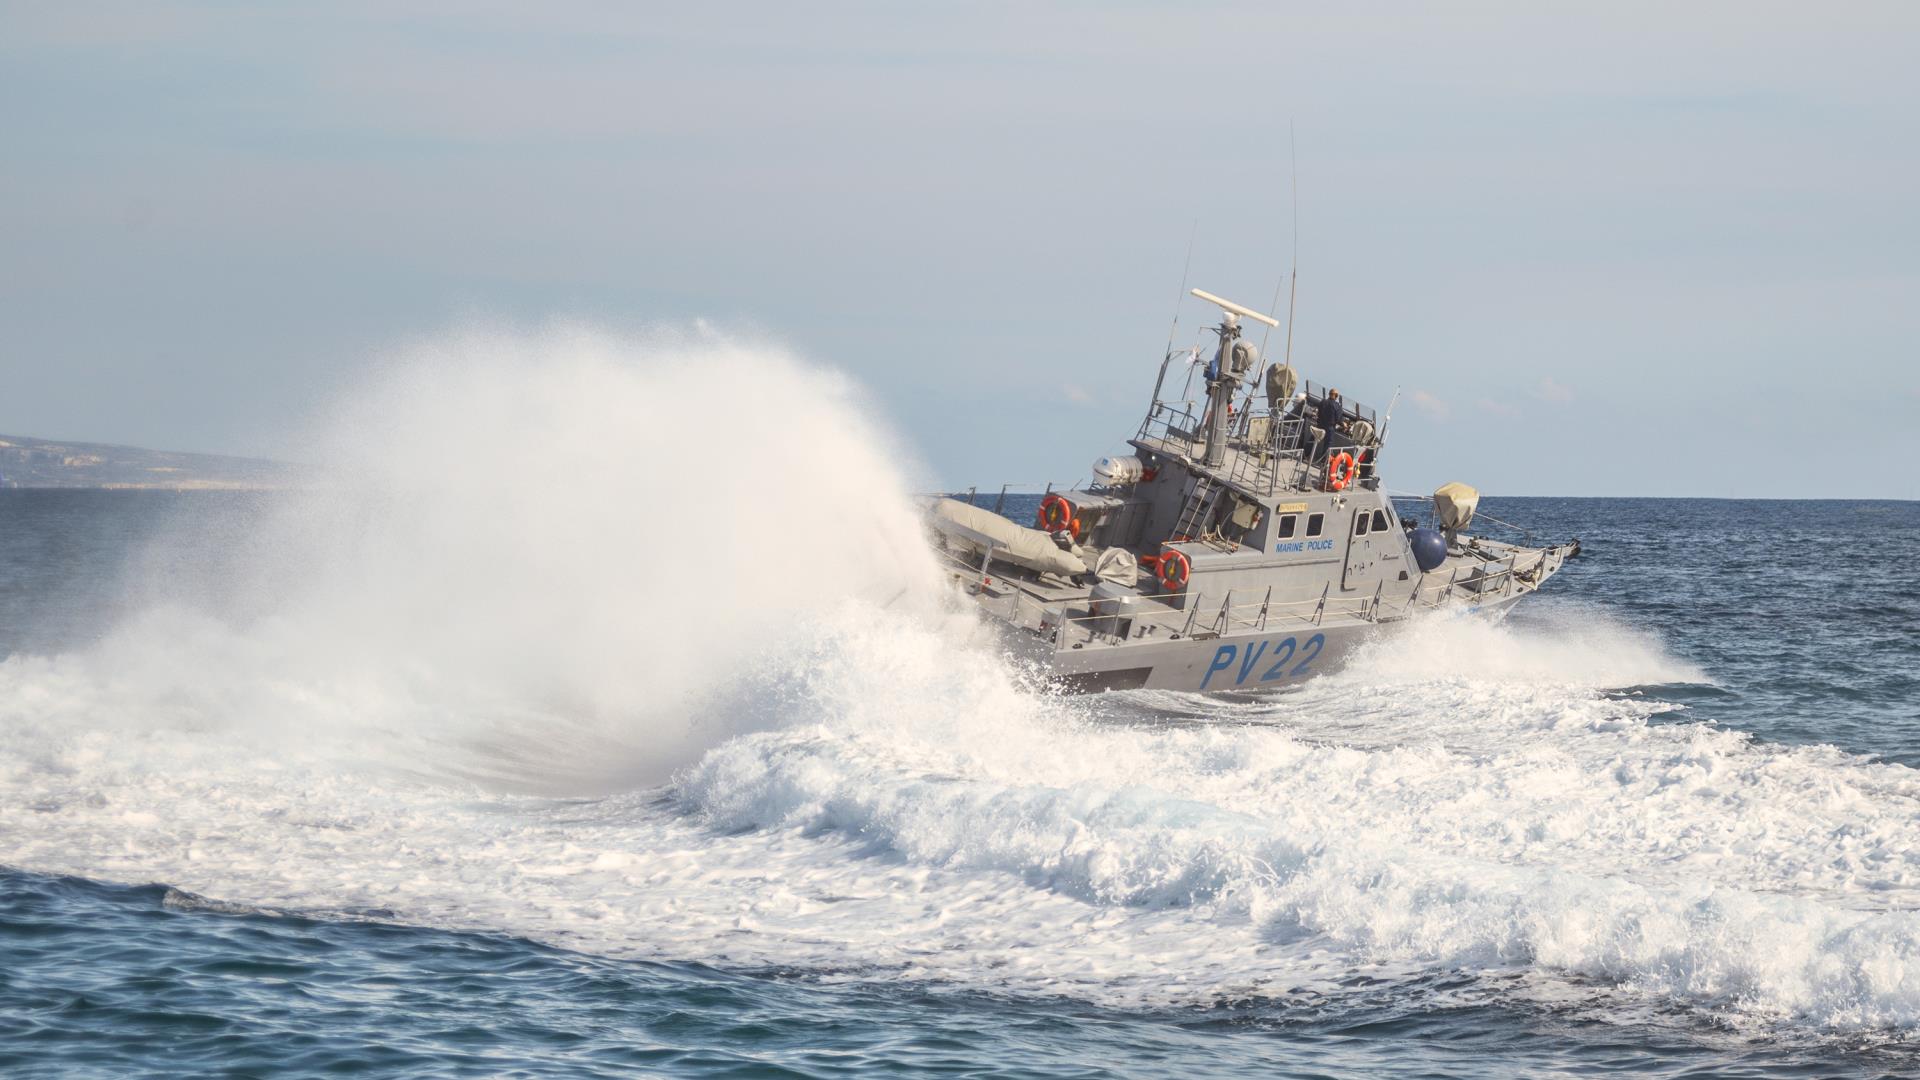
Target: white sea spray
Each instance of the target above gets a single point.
(549, 661)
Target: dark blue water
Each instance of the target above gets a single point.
(107, 980)
(182, 894)
(1805, 613)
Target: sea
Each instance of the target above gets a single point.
(573, 768)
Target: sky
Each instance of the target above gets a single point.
(1624, 249)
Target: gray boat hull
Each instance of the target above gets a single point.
(1238, 547)
(1249, 660)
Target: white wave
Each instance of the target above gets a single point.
(1676, 860)
(546, 547)
(1565, 644)
(869, 790)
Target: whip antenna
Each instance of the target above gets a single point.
(1167, 357)
(1295, 271)
(1272, 309)
(1246, 403)
(1182, 294)
(1293, 291)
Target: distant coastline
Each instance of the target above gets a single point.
(52, 463)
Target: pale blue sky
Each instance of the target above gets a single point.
(1631, 249)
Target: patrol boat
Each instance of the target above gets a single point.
(1238, 549)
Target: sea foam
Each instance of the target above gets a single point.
(489, 679)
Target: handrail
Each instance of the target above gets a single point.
(1259, 615)
(1526, 534)
(1278, 459)
(1232, 617)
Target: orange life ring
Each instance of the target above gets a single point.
(1342, 464)
(1174, 570)
(1056, 513)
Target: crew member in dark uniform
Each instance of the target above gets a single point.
(1328, 420)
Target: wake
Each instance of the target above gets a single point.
(546, 659)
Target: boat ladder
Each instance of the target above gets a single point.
(1197, 504)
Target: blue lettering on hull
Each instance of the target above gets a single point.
(1280, 652)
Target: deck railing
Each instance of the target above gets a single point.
(1270, 452)
(1201, 620)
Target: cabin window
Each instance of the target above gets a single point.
(1314, 522)
(1360, 523)
(1288, 524)
(1379, 521)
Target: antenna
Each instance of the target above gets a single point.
(1177, 297)
(1233, 308)
(1271, 308)
(1293, 291)
(1167, 357)
(1292, 280)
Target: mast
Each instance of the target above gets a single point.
(1234, 360)
(1220, 390)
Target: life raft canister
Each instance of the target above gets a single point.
(1174, 570)
(1057, 513)
(1340, 471)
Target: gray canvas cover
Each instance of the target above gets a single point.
(1030, 548)
(1117, 565)
(1280, 383)
(1453, 504)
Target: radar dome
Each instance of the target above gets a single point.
(1244, 356)
(1429, 548)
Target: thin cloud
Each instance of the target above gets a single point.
(1498, 408)
(1548, 390)
(1077, 394)
(1430, 405)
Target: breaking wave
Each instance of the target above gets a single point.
(549, 660)
(544, 549)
